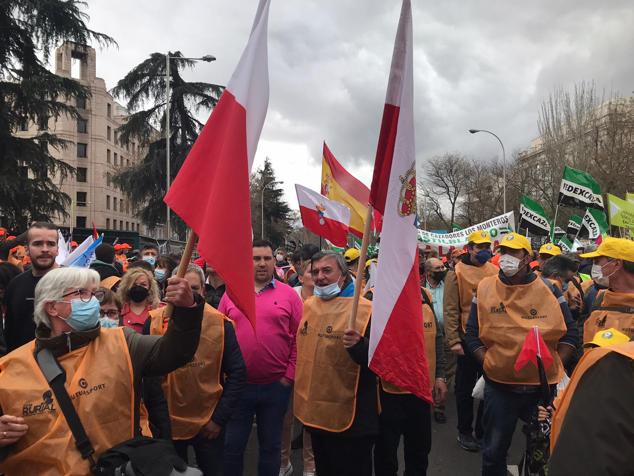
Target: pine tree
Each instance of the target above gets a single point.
(145, 183)
(277, 213)
(31, 94)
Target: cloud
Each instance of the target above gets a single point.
(477, 65)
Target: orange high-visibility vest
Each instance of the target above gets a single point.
(429, 334)
(123, 259)
(326, 378)
(468, 279)
(99, 380)
(587, 361)
(613, 310)
(506, 313)
(193, 391)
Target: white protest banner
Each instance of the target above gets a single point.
(497, 228)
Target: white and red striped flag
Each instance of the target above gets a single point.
(324, 217)
(211, 191)
(397, 345)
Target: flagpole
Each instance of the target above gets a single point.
(182, 266)
(552, 234)
(361, 267)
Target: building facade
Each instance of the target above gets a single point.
(94, 150)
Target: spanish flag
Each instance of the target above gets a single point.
(337, 184)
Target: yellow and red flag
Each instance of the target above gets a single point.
(339, 185)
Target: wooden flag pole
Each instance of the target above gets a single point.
(361, 267)
(192, 238)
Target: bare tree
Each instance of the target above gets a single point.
(445, 181)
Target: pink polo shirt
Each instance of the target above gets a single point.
(272, 353)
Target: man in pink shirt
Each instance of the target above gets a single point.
(270, 359)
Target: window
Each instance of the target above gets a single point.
(127, 162)
(82, 150)
(82, 174)
(127, 226)
(120, 224)
(81, 199)
(81, 222)
(109, 110)
(116, 137)
(114, 224)
(121, 205)
(114, 202)
(108, 223)
(107, 204)
(109, 133)
(82, 126)
(116, 160)
(108, 179)
(108, 156)
(137, 227)
(80, 103)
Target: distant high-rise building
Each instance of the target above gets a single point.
(94, 150)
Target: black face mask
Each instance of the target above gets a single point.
(438, 275)
(138, 293)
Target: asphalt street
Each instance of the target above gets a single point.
(446, 457)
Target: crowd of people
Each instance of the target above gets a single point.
(142, 352)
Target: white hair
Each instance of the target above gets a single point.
(55, 283)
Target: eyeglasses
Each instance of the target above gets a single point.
(86, 295)
(110, 313)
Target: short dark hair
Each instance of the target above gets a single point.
(105, 252)
(308, 251)
(40, 224)
(263, 244)
(558, 265)
(149, 246)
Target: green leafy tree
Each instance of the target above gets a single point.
(277, 214)
(31, 94)
(145, 182)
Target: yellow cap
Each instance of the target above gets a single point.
(607, 338)
(515, 241)
(351, 254)
(370, 261)
(617, 248)
(479, 237)
(550, 249)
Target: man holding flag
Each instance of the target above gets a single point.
(500, 332)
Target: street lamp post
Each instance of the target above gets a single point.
(262, 204)
(473, 131)
(206, 58)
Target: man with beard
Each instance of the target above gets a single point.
(42, 249)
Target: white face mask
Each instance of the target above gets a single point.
(597, 275)
(509, 265)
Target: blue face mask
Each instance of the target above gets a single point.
(483, 256)
(149, 259)
(327, 292)
(84, 315)
(108, 323)
(160, 274)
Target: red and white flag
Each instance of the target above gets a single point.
(211, 191)
(324, 217)
(534, 347)
(397, 345)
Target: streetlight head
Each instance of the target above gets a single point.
(208, 58)
(473, 131)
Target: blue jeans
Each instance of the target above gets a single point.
(502, 408)
(268, 402)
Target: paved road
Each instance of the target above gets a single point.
(446, 457)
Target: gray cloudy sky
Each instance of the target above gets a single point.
(478, 64)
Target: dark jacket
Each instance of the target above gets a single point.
(105, 270)
(19, 327)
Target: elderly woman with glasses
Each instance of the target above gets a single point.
(103, 369)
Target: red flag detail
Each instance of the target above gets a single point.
(384, 155)
(534, 345)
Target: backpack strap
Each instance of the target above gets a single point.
(56, 378)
